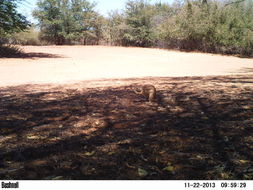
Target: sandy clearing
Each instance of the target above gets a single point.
(78, 63)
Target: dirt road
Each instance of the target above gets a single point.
(66, 64)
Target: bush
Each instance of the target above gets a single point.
(208, 26)
(29, 37)
(10, 51)
(211, 27)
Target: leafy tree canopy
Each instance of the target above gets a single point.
(63, 21)
(10, 20)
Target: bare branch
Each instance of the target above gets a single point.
(235, 2)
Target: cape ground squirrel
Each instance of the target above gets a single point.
(149, 91)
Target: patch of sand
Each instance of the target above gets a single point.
(78, 63)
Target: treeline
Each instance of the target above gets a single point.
(218, 26)
(204, 25)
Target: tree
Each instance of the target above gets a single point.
(116, 28)
(87, 22)
(138, 24)
(138, 19)
(64, 21)
(51, 20)
(10, 20)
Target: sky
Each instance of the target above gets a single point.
(103, 6)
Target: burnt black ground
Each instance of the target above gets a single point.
(199, 128)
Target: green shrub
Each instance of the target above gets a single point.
(211, 27)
